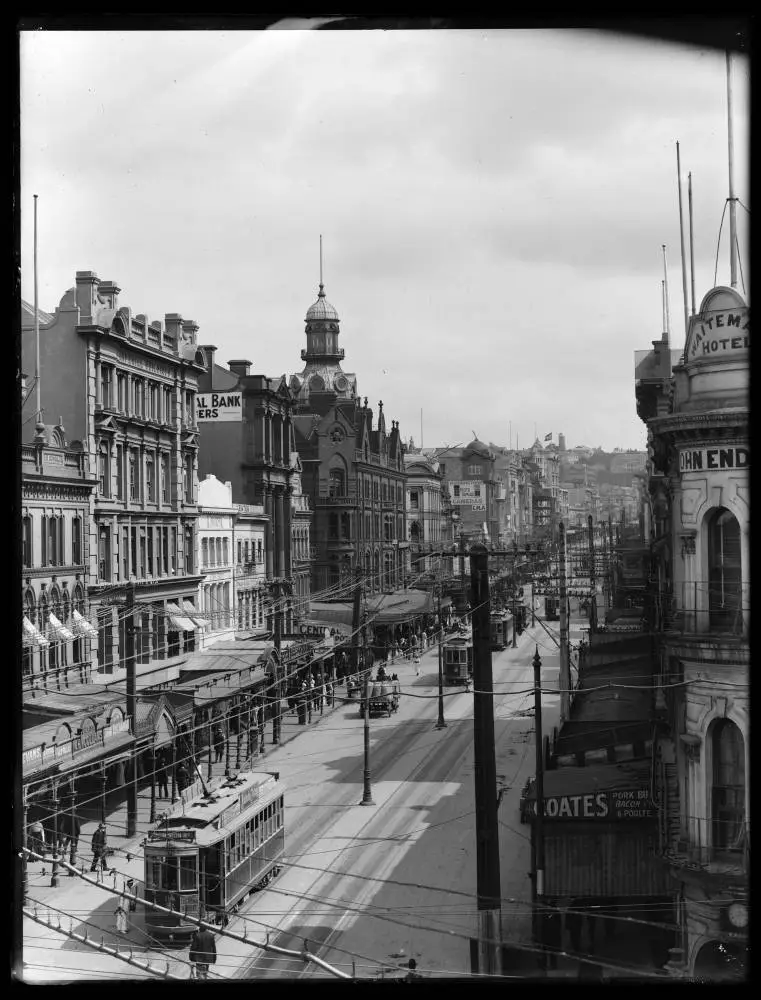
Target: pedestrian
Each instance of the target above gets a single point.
(122, 920)
(219, 744)
(417, 664)
(37, 838)
(183, 778)
(329, 694)
(203, 952)
(162, 775)
(70, 831)
(99, 848)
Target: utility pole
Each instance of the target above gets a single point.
(565, 668)
(278, 669)
(441, 724)
(592, 575)
(367, 795)
(538, 827)
(487, 831)
(129, 635)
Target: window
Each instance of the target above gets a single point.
(240, 552)
(187, 474)
(76, 541)
(120, 471)
(724, 572)
(456, 491)
(152, 402)
(345, 525)
(172, 551)
(474, 470)
(150, 567)
(26, 542)
(168, 406)
(442, 468)
(121, 391)
(139, 391)
(104, 477)
(414, 500)
(384, 491)
(133, 551)
(226, 551)
(164, 478)
(134, 483)
(150, 478)
(375, 490)
(728, 790)
(333, 526)
(165, 551)
(104, 554)
(106, 386)
(189, 545)
(336, 483)
(125, 553)
(205, 552)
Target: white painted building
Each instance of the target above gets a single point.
(216, 530)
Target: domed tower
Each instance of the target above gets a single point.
(322, 371)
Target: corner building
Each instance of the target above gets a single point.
(697, 420)
(352, 471)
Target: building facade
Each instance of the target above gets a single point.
(699, 522)
(125, 387)
(216, 559)
(59, 642)
(424, 514)
(352, 471)
(301, 542)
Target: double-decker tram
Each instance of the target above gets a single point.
(457, 656)
(224, 844)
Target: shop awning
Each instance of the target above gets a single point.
(59, 630)
(32, 636)
(401, 606)
(82, 627)
(178, 621)
(194, 615)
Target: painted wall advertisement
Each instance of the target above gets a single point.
(468, 492)
(219, 407)
(613, 805)
(703, 459)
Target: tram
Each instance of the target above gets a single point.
(500, 629)
(457, 655)
(224, 845)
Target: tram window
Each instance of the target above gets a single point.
(257, 832)
(154, 875)
(187, 873)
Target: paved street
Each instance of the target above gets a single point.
(370, 885)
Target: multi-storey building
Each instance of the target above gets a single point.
(216, 554)
(301, 542)
(475, 480)
(424, 513)
(352, 472)
(253, 597)
(699, 523)
(125, 388)
(59, 642)
(246, 438)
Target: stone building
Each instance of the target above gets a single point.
(425, 522)
(352, 471)
(59, 642)
(699, 601)
(125, 387)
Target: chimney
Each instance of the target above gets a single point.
(87, 286)
(190, 329)
(109, 291)
(210, 351)
(239, 368)
(173, 324)
(561, 442)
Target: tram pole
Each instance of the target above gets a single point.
(592, 575)
(129, 651)
(441, 724)
(278, 669)
(565, 666)
(537, 838)
(489, 893)
(56, 837)
(367, 794)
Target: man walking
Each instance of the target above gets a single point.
(99, 848)
(219, 744)
(203, 952)
(162, 779)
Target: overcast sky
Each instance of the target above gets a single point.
(492, 204)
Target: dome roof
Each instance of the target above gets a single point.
(321, 309)
(479, 447)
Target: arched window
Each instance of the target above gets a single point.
(333, 526)
(728, 788)
(415, 532)
(336, 483)
(345, 525)
(724, 572)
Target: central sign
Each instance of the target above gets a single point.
(219, 407)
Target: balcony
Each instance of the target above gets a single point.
(728, 868)
(701, 609)
(306, 355)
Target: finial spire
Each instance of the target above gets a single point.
(321, 292)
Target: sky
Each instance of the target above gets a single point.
(493, 205)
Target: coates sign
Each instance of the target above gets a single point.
(219, 407)
(613, 805)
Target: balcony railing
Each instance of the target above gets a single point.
(341, 501)
(732, 865)
(700, 608)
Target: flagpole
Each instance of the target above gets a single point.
(732, 202)
(681, 239)
(36, 322)
(692, 255)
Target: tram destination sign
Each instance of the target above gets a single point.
(165, 833)
(613, 805)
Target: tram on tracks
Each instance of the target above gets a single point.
(457, 657)
(500, 629)
(224, 845)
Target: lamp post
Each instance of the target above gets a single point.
(367, 795)
(441, 724)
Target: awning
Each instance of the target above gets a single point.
(193, 614)
(59, 630)
(178, 621)
(32, 636)
(82, 627)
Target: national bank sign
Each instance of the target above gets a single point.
(219, 407)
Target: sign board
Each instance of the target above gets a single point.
(721, 332)
(468, 491)
(248, 796)
(164, 833)
(613, 805)
(219, 407)
(708, 459)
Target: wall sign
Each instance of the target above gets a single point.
(219, 407)
(612, 806)
(467, 491)
(706, 459)
(723, 332)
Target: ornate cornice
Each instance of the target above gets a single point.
(723, 424)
